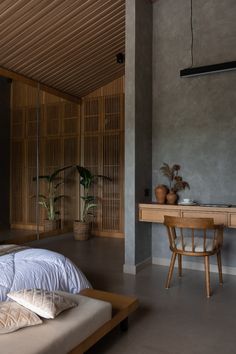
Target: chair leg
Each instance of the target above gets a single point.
(180, 264)
(207, 272)
(220, 267)
(172, 263)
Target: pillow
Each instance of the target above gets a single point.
(47, 304)
(14, 316)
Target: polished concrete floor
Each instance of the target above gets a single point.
(7, 234)
(180, 320)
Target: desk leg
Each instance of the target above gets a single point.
(124, 325)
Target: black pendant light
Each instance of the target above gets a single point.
(206, 69)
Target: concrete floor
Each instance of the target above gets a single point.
(180, 320)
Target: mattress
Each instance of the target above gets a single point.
(61, 334)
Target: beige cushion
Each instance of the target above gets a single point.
(62, 334)
(14, 316)
(47, 304)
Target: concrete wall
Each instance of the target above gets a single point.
(194, 119)
(5, 152)
(138, 135)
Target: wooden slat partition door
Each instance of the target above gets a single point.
(59, 145)
(103, 153)
(17, 181)
(17, 163)
(23, 156)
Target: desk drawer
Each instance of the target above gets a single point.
(219, 218)
(232, 220)
(156, 215)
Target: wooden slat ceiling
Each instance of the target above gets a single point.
(70, 45)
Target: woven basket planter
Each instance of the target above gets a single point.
(82, 230)
(50, 225)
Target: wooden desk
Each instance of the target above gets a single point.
(155, 213)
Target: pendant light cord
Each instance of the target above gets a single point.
(191, 26)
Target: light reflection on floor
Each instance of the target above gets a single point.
(20, 236)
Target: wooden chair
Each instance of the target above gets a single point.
(196, 237)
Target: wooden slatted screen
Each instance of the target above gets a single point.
(17, 126)
(17, 181)
(71, 150)
(30, 186)
(112, 205)
(103, 153)
(23, 156)
(58, 146)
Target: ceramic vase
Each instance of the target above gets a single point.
(171, 197)
(161, 191)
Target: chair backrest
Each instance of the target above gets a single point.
(193, 236)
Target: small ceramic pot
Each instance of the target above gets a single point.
(172, 197)
(161, 191)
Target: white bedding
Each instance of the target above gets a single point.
(39, 268)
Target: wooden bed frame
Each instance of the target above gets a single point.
(122, 306)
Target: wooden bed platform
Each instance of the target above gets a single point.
(75, 330)
(122, 307)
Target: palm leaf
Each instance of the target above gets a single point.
(55, 173)
(102, 176)
(42, 196)
(87, 208)
(88, 198)
(44, 204)
(58, 184)
(167, 171)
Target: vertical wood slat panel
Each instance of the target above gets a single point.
(91, 161)
(71, 180)
(91, 124)
(71, 147)
(23, 124)
(31, 172)
(91, 115)
(115, 87)
(31, 122)
(52, 113)
(103, 154)
(59, 146)
(59, 134)
(112, 113)
(17, 181)
(111, 195)
(70, 125)
(17, 123)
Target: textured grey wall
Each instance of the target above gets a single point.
(194, 119)
(5, 87)
(138, 133)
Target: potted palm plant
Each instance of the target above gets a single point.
(88, 203)
(49, 200)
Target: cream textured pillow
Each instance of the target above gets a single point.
(47, 304)
(14, 316)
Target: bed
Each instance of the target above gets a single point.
(75, 330)
(23, 267)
